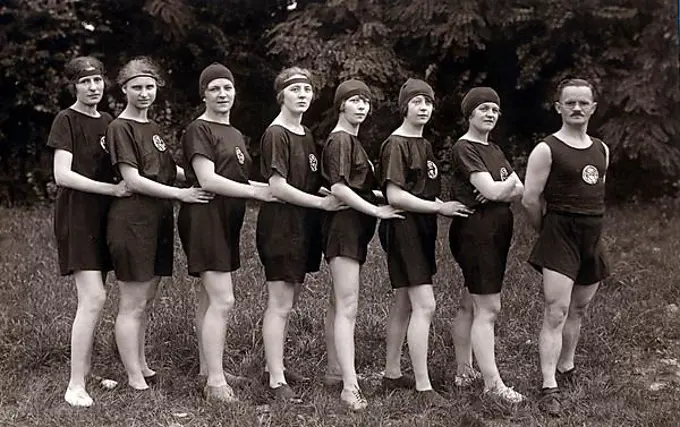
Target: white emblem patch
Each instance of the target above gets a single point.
(240, 156)
(432, 170)
(504, 174)
(102, 143)
(590, 174)
(313, 163)
(158, 142)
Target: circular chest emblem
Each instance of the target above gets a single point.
(102, 143)
(504, 174)
(158, 143)
(432, 170)
(239, 155)
(590, 174)
(313, 163)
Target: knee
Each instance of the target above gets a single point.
(556, 314)
(426, 307)
(489, 312)
(93, 302)
(280, 306)
(347, 306)
(223, 304)
(578, 309)
(135, 308)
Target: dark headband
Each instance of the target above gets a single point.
(293, 81)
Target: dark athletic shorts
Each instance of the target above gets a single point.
(347, 233)
(570, 244)
(141, 237)
(80, 221)
(480, 245)
(288, 239)
(410, 244)
(211, 234)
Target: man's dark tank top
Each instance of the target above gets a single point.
(576, 180)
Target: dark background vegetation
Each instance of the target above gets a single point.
(523, 48)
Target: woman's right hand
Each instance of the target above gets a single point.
(455, 208)
(389, 212)
(121, 190)
(331, 203)
(195, 195)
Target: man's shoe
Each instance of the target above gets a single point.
(550, 401)
(403, 382)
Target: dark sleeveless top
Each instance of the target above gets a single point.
(576, 180)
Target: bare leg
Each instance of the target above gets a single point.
(397, 325)
(557, 292)
(486, 309)
(333, 367)
(279, 305)
(91, 298)
(462, 326)
(580, 300)
(418, 335)
(151, 294)
(200, 316)
(219, 288)
(131, 310)
(346, 277)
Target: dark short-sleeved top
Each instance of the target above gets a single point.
(409, 163)
(220, 143)
(141, 145)
(84, 137)
(344, 160)
(468, 157)
(292, 156)
(576, 180)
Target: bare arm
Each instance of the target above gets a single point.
(289, 194)
(538, 170)
(402, 199)
(497, 191)
(606, 153)
(518, 190)
(149, 187)
(356, 202)
(210, 181)
(64, 176)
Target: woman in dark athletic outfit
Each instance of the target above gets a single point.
(141, 227)
(483, 179)
(289, 234)
(83, 172)
(349, 174)
(217, 160)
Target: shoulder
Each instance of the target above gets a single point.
(601, 144)
(541, 153)
(64, 115)
(108, 118)
(341, 138)
(394, 142)
(276, 132)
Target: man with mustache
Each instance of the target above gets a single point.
(564, 198)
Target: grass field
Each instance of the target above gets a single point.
(627, 359)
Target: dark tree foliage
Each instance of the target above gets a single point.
(523, 48)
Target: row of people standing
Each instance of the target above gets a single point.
(133, 233)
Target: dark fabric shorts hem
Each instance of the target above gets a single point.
(412, 285)
(484, 289)
(285, 278)
(345, 254)
(198, 272)
(538, 266)
(143, 279)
